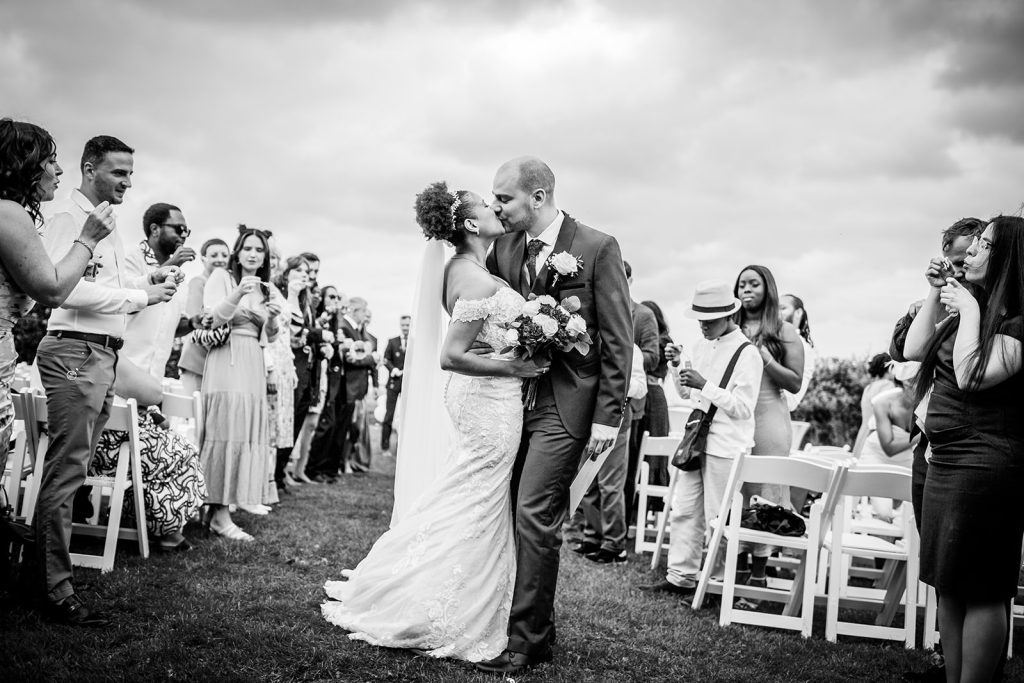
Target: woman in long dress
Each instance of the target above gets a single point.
(783, 356)
(236, 434)
(441, 579)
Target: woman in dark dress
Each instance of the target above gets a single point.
(972, 522)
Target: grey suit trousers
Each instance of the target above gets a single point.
(545, 466)
(79, 380)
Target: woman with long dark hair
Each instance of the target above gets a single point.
(235, 444)
(792, 310)
(972, 523)
(29, 176)
(783, 355)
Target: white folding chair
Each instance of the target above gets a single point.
(799, 432)
(19, 456)
(799, 596)
(885, 482)
(646, 491)
(128, 474)
(180, 408)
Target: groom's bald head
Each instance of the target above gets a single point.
(524, 195)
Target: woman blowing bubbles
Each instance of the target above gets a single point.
(971, 519)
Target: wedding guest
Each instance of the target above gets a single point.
(880, 374)
(645, 336)
(361, 449)
(151, 332)
(173, 485)
(77, 360)
(600, 521)
(890, 441)
(314, 278)
(358, 363)
(791, 308)
(283, 375)
(235, 444)
(655, 419)
(972, 523)
(394, 362)
(324, 461)
(214, 254)
(783, 355)
(699, 493)
(29, 176)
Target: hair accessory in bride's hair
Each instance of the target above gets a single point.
(455, 207)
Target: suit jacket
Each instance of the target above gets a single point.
(645, 335)
(394, 357)
(592, 388)
(357, 373)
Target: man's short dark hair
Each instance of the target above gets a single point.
(629, 269)
(309, 256)
(965, 227)
(99, 147)
(406, 317)
(158, 213)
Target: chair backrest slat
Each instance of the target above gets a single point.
(883, 482)
(784, 470)
(123, 418)
(659, 445)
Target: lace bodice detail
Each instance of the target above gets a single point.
(497, 311)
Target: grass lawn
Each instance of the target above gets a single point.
(232, 612)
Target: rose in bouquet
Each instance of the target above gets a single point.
(543, 327)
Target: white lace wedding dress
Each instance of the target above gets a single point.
(441, 579)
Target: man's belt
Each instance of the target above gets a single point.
(106, 340)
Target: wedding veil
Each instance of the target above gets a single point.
(425, 432)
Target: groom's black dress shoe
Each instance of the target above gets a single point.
(585, 548)
(509, 662)
(606, 556)
(73, 612)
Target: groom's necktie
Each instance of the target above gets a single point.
(533, 248)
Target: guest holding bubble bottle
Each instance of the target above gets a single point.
(972, 522)
(236, 437)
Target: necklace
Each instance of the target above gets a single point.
(473, 261)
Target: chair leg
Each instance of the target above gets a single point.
(732, 550)
(930, 637)
(32, 492)
(116, 505)
(138, 493)
(663, 518)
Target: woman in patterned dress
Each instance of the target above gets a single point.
(29, 176)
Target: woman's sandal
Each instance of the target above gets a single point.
(232, 532)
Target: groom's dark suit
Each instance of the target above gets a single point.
(578, 391)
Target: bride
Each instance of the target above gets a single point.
(441, 579)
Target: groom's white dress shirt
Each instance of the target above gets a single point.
(548, 237)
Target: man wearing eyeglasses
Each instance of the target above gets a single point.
(151, 332)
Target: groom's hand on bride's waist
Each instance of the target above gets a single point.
(602, 437)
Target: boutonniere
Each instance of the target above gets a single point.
(565, 266)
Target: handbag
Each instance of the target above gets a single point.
(212, 338)
(695, 437)
(775, 519)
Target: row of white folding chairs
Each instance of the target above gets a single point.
(25, 470)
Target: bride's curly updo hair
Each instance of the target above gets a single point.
(440, 212)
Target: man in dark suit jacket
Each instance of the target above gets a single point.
(358, 364)
(580, 401)
(394, 361)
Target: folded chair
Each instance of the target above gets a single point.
(902, 556)
(799, 597)
(19, 456)
(128, 474)
(652, 446)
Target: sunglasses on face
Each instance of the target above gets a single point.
(182, 230)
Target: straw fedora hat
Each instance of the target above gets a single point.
(713, 299)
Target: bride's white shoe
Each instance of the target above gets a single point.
(255, 509)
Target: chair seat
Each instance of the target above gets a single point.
(862, 545)
(766, 538)
(876, 527)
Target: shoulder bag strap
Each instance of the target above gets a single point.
(726, 377)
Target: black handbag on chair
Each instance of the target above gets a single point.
(695, 439)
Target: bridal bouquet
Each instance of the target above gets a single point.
(545, 326)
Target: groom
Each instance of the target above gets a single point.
(579, 402)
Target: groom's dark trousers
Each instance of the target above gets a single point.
(547, 462)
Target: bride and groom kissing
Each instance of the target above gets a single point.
(469, 566)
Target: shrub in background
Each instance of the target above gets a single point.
(832, 403)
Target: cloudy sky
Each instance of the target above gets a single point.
(830, 141)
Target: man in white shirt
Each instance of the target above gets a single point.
(698, 494)
(77, 362)
(151, 331)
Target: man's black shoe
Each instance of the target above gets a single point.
(605, 556)
(666, 586)
(73, 612)
(509, 662)
(585, 548)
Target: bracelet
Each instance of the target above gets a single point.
(91, 253)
